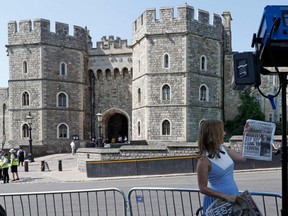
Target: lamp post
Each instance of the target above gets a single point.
(29, 120)
(99, 118)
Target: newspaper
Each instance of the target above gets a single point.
(244, 206)
(257, 140)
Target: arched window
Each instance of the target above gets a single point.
(99, 74)
(139, 95)
(63, 68)
(203, 63)
(166, 61)
(25, 99)
(125, 72)
(62, 100)
(166, 92)
(25, 69)
(166, 127)
(138, 128)
(62, 131)
(203, 93)
(116, 73)
(25, 131)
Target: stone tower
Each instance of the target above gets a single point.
(48, 78)
(178, 74)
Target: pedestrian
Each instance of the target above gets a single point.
(120, 139)
(215, 164)
(5, 168)
(21, 154)
(72, 144)
(1, 158)
(14, 164)
(125, 139)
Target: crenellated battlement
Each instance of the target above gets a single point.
(202, 23)
(24, 33)
(111, 42)
(110, 45)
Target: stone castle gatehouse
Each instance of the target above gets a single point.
(158, 89)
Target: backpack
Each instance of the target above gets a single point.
(21, 154)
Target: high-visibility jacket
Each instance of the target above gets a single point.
(14, 160)
(5, 163)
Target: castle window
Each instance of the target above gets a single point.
(99, 74)
(62, 100)
(166, 127)
(62, 131)
(270, 117)
(203, 93)
(166, 61)
(25, 69)
(25, 131)
(139, 95)
(25, 99)
(139, 66)
(125, 72)
(203, 63)
(63, 69)
(108, 74)
(166, 92)
(138, 128)
(116, 73)
(135, 25)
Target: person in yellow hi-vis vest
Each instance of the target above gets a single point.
(5, 168)
(14, 164)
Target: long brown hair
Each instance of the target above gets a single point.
(211, 135)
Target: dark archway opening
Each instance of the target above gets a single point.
(117, 126)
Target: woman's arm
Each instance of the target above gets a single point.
(234, 155)
(203, 168)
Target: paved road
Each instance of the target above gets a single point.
(70, 178)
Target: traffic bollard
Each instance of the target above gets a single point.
(42, 166)
(60, 165)
(26, 165)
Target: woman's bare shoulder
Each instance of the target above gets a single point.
(203, 159)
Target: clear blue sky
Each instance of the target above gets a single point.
(115, 17)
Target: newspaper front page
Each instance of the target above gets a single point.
(258, 139)
(245, 206)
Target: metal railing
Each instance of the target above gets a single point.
(164, 201)
(102, 202)
(268, 202)
(140, 201)
(181, 201)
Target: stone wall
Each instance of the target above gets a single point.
(131, 152)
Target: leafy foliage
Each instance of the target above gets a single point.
(249, 109)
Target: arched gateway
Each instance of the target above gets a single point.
(115, 124)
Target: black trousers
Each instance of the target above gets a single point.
(5, 175)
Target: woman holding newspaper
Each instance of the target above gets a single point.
(215, 164)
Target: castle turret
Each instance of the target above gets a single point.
(177, 77)
(48, 77)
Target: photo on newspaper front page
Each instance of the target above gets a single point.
(258, 139)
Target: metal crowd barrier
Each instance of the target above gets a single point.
(181, 201)
(102, 202)
(140, 201)
(164, 201)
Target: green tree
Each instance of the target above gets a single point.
(249, 109)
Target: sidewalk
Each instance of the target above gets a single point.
(69, 171)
